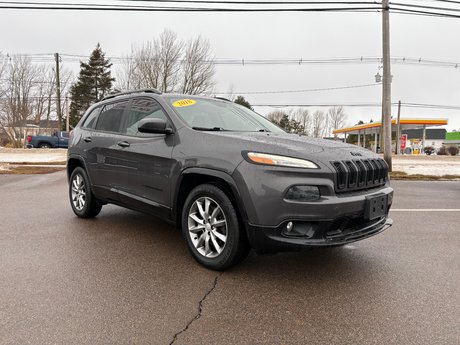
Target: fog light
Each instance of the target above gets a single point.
(302, 193)
(300, 229)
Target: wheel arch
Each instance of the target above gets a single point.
(192, 177)
(74, 162)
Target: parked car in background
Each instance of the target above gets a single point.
(57, 140)
(228, 177)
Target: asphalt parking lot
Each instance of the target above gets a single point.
(127, 278)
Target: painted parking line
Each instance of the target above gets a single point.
(425, 210)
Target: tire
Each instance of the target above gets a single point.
(44, 146)
(84, 203)
(216, 223)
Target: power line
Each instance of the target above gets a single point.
(268, 61)
(449, 1)
(228, 2)
(189, 9)
(24, 5)
(299, 91)
(363, 105)
(426, 7)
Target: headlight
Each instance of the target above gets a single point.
(268, 159)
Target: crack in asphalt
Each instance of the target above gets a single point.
(200, 310)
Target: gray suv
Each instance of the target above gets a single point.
(228, 177)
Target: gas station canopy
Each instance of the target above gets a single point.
(374, 127)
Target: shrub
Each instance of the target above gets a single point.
(14, 144)
(453, 150)
(442, 151)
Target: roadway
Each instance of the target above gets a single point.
(127, 278)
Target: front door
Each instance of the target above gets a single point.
(146, 179)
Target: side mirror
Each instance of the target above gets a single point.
(153, 126)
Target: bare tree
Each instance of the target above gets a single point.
(303, 117)
(198, 67)
(169, 54)
(276, 116)
(337, 117)
(231, 92)
(163, 64)
(16, 104)
(3, 66)
(146, 66)
(129, 74)
(319, 124)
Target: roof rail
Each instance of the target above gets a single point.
(222, 98)
(113, 95)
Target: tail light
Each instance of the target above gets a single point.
(29, 138)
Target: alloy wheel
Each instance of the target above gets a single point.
(207, 227)
(78, 192)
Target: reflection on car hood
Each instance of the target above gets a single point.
(289, 142)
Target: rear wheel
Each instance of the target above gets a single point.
(82, 200)
(211, 228)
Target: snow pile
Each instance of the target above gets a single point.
(428, 165)
(32, 155)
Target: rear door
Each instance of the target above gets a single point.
(146, 179)
(104, 161)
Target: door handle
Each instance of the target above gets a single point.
(123, 144)
(87, 139)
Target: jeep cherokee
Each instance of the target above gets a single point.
(225, 175)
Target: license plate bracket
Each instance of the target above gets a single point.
(376, 206)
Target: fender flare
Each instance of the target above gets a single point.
(212, 173)
(82, 161)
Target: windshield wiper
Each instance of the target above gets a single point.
(212, 129)
(263, 130)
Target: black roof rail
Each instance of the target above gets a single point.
(113, 95)
(222, 98)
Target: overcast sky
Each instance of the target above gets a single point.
(270, 35)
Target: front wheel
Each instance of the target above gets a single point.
(211, 228)
(82, 200)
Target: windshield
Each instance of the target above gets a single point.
(209, 114)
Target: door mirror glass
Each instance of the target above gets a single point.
(153, 126)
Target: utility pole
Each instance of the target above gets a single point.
(398, 131)
(67, 118)
(58, 91)
(386, 101)
(386, 94)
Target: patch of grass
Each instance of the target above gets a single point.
(401, 175)
(24, 169)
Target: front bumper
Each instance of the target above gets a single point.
(333, 219)
(273, 238)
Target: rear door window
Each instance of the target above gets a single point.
(110, 118)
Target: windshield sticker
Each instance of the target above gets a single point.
(184, 103)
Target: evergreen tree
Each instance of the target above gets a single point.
(94, 82)
(242, 101)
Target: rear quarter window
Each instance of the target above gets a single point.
(91, 119)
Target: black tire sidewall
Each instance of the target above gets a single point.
(88, 210)
(229, 254)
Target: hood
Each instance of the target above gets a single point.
(293, 145)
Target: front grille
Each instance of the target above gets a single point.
(351, 175)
